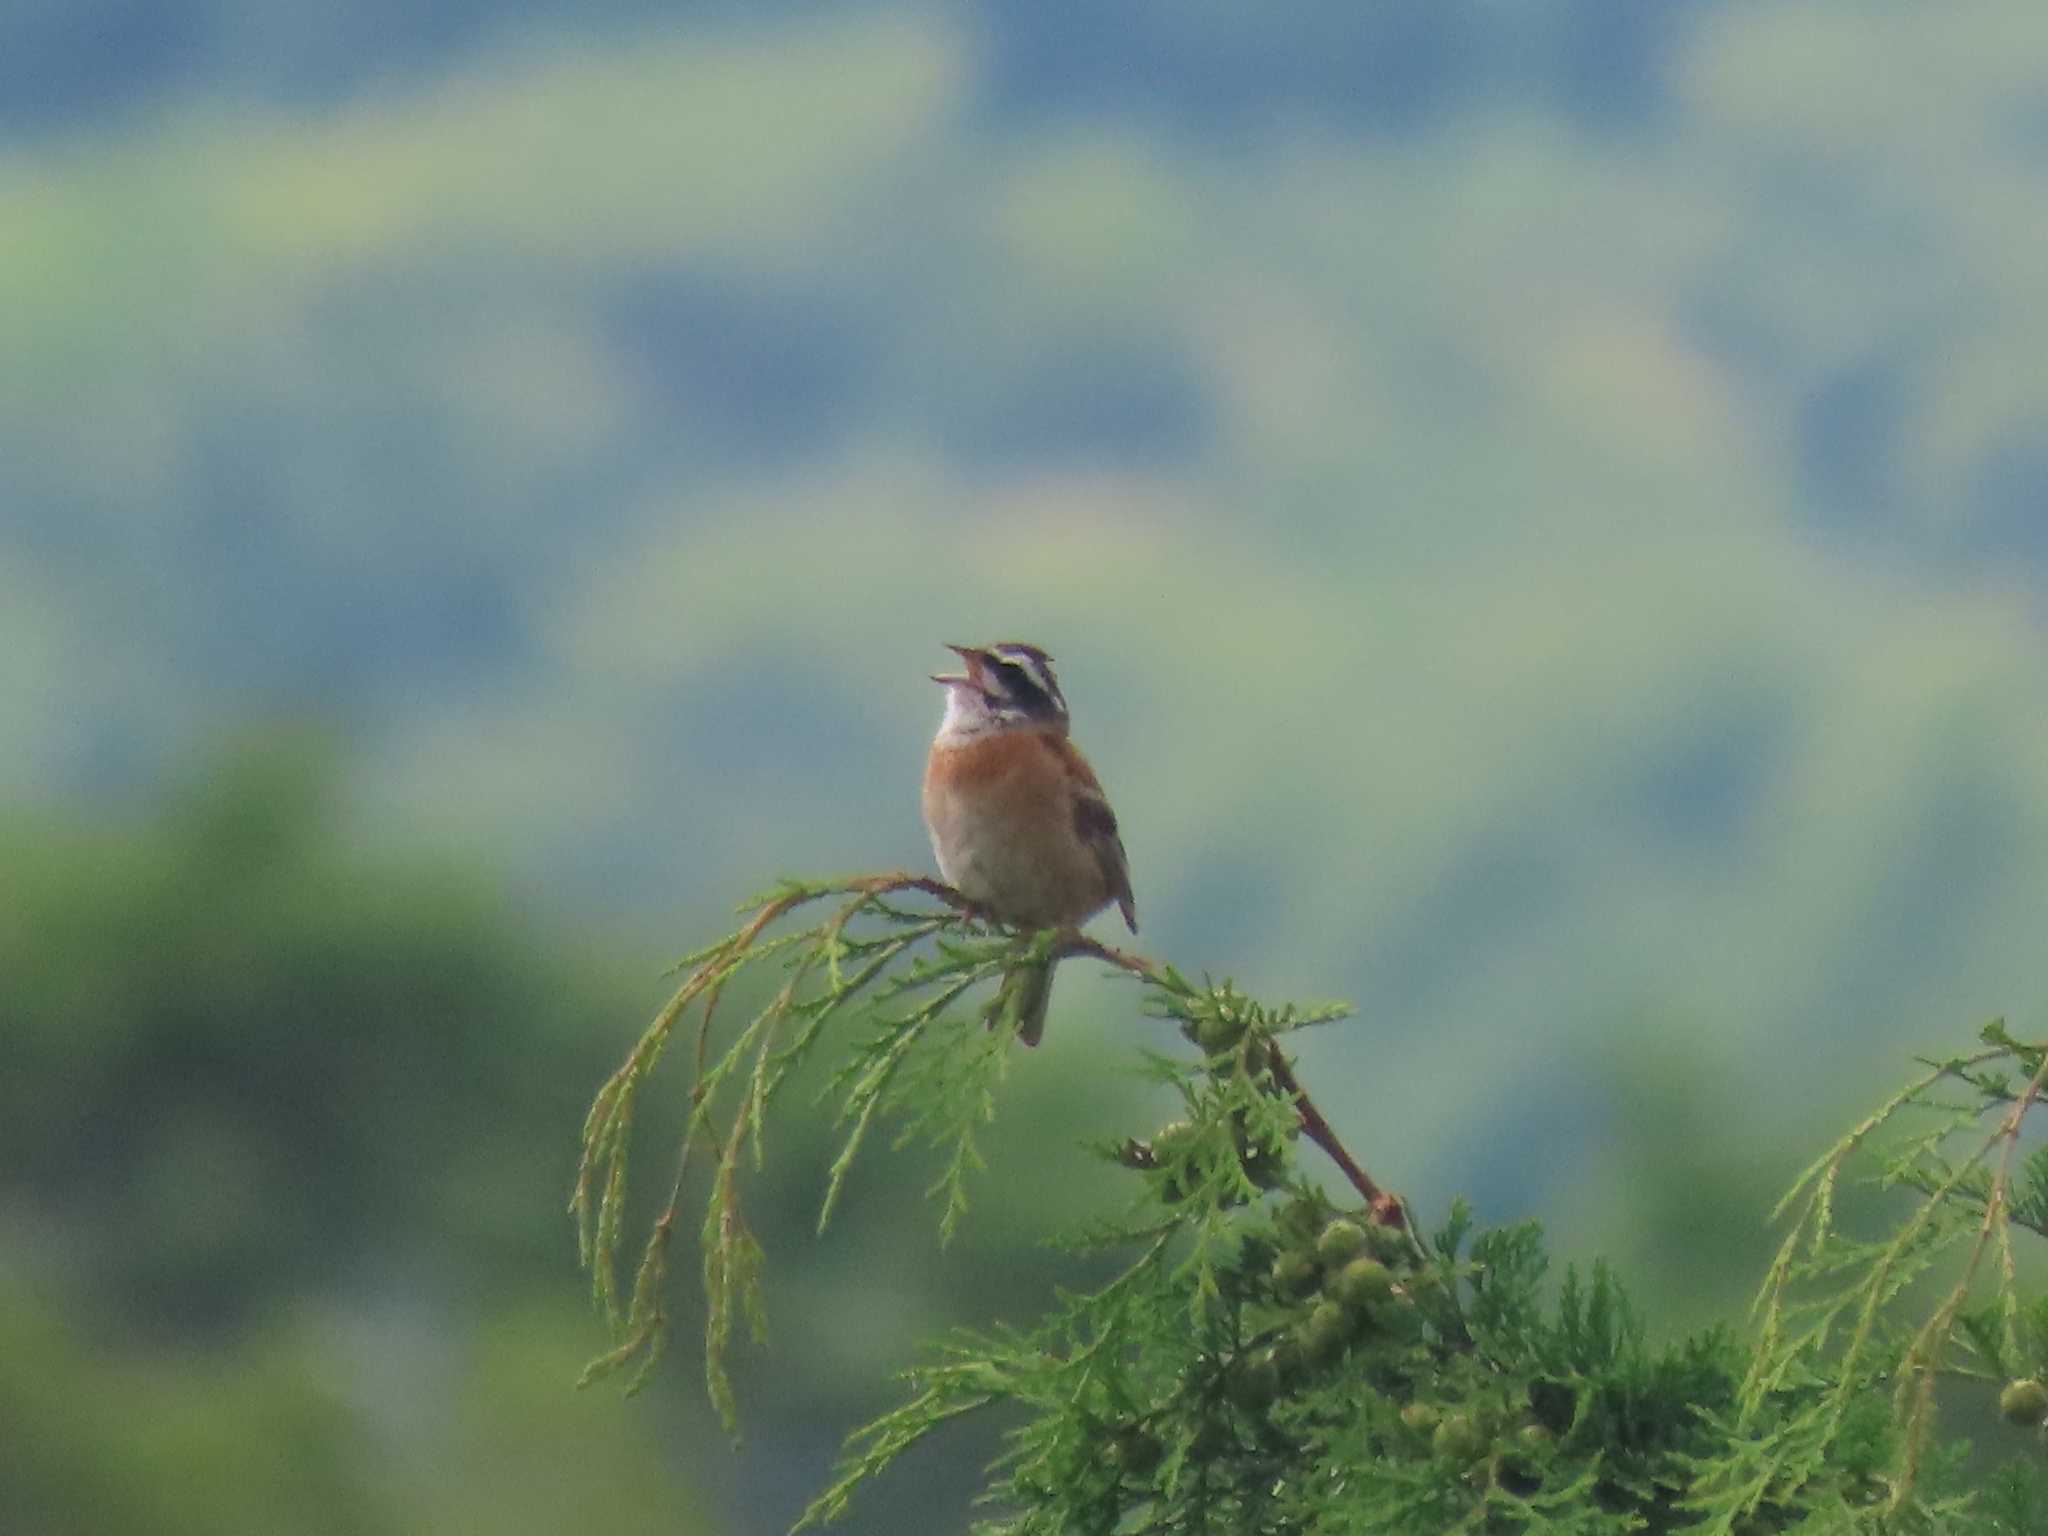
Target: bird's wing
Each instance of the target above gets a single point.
(1095, 822)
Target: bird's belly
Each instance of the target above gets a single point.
(1009, 865)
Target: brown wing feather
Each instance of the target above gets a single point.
(1095, 822)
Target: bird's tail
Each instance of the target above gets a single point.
(1026, 993)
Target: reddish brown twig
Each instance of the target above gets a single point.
(1388, 1209)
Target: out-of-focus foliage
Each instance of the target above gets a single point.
(244, 1058)
(280, 1141)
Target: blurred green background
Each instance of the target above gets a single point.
(1540, 510)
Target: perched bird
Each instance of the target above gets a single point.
(1019, 823)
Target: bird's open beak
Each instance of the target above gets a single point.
(976, 661)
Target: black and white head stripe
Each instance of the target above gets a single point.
(1023, 673)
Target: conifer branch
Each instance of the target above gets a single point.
(1286, 1364)
(1387, 1208)
(1828, 1302)
(915, 1062)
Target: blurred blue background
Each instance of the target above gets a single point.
(1540, 512)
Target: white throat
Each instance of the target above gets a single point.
(967, 716)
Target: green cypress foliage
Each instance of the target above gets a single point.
(1268, 1361)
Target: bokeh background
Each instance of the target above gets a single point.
(1540, 510)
